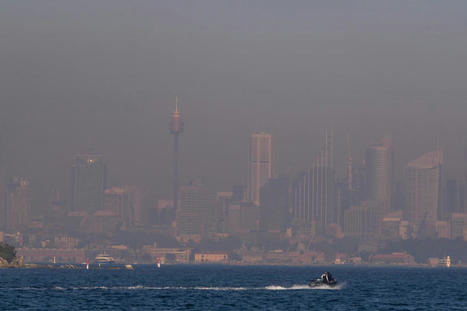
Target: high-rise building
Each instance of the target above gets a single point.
(56, 210)
(423, 192)
(88, 183)
(379, 174)
(18, 203)
(134, 198)
(313, 193)
(361, 221)
(454, 199)
(176, 127)
(224, 200)
(274, 197)
(124, 202)
(259, 164)
(242, 217)
(196, 214)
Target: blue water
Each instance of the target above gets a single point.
(232, 288)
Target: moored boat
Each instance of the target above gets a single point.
(104, 259)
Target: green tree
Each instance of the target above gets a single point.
(7, 252)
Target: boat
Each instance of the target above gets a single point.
(104, 259)
(158, 262)
(325, 280)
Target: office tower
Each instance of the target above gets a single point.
(196, 214)
(116, 200)
(362, 221)
(242, 217)
(125, 203)
(458, 226)
(343, 200)
(423, 190)
(176, 128)
(163, 214)
(18, 203)
(134, 198)
(259, 164)
(88, 183)
(224, 199)
(349, 168)
(379, 174)
(274, 198)
(454, 199)
(359, 187)
(56, 210)
(314, 198)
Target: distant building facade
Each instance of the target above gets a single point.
(124, 202)
(243, 217)
(423, 185)
(362, 221)
(18, 203)
(313, 192)
(259, 164)
(196, 213)
(88, 183)
(379, 174)
(274, 205)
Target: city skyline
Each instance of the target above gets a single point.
(309, 128)
(233, 154)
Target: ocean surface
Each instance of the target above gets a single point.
(213, 287)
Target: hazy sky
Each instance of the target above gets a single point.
(102, 75)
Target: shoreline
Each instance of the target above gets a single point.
(125, 267)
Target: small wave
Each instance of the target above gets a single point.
(219, 288)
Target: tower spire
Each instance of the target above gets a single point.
(349, 163)
(175, 128)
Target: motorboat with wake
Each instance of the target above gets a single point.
(326, 279)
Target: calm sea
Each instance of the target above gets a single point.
(232, 288)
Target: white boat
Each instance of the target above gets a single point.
(104, 258)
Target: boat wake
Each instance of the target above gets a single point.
(305, 286)
(183, 288)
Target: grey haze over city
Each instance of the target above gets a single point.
(102, 76)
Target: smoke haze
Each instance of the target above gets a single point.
(102, 76)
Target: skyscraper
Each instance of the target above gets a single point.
(424, 184)
(88, 183)
(379, 174)
(197, 210)
(314, 199)
(124, 202)
(274, 205)
(176, 128)
(18, 203)
(259, 164)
